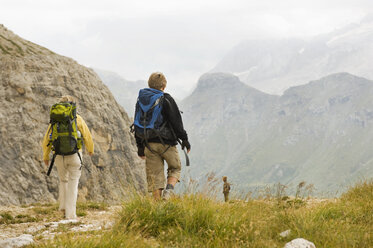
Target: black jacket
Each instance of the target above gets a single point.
(171, 115)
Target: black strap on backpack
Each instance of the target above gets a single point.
(156, 131)
(51, 165)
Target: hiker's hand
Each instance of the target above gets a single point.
(141, 152)
(185, 144)
(90, 154)
(46, 162)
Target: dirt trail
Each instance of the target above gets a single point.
(45, 221)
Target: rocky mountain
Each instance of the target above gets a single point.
(274, 65)
(32, 78)
(210, 118)
(319, 132)
(124, 91)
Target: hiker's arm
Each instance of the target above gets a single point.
(140, 147)
(173, 115)
(46, 148)
(87, 137)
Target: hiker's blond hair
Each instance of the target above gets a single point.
(157, 81)
(67, 98)
(225, 178)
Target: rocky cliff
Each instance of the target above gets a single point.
(319, 132)
(32, 78)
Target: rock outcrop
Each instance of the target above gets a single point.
(319, 133)
(300, 243)
(32, 78)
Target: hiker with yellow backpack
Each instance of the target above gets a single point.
(65, 135)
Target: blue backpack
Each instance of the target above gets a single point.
(149, 122)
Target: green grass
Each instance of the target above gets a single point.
(83, 207)
(198, 221)
(92, 206)
(66, 227)
(7, 218)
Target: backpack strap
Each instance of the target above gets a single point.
(157, 102)
(70, 131)
(51, 165)
(50, 134)
(81, 162)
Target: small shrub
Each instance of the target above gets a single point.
(92, 206)
(7, 218)
(81, 213)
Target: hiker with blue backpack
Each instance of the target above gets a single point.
(65, 135)
(158, 128)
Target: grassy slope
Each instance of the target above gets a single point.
(196, 221)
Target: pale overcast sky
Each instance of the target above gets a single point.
(183, 39)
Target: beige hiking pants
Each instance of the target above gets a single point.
(69, 171)
(154, 164)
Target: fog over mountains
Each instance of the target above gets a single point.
(274, 65)
(124, 91)
(319, 132)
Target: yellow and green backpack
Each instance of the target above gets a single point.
(65, 137)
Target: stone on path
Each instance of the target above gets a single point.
(286, 233)
(300, 243)
(24, 239)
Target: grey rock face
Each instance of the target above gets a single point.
(319, 132)
(221, 114)
(32, 78)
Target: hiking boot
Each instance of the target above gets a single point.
(167, 194)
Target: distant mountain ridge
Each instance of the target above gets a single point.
(274, 65)
(319, 132)
(124, 91)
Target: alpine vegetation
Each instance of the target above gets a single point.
(199, 221)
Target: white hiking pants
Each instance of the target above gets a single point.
(69, 171)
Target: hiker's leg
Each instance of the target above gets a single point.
(63, 179)
(74, 168)
(226, 197)
(172, 180)
(157, 194)
(174, 165)
(154, 170)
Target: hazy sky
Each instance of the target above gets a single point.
(183, 39)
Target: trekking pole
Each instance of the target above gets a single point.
(187, 162)
(51, 165)
(186, 157)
